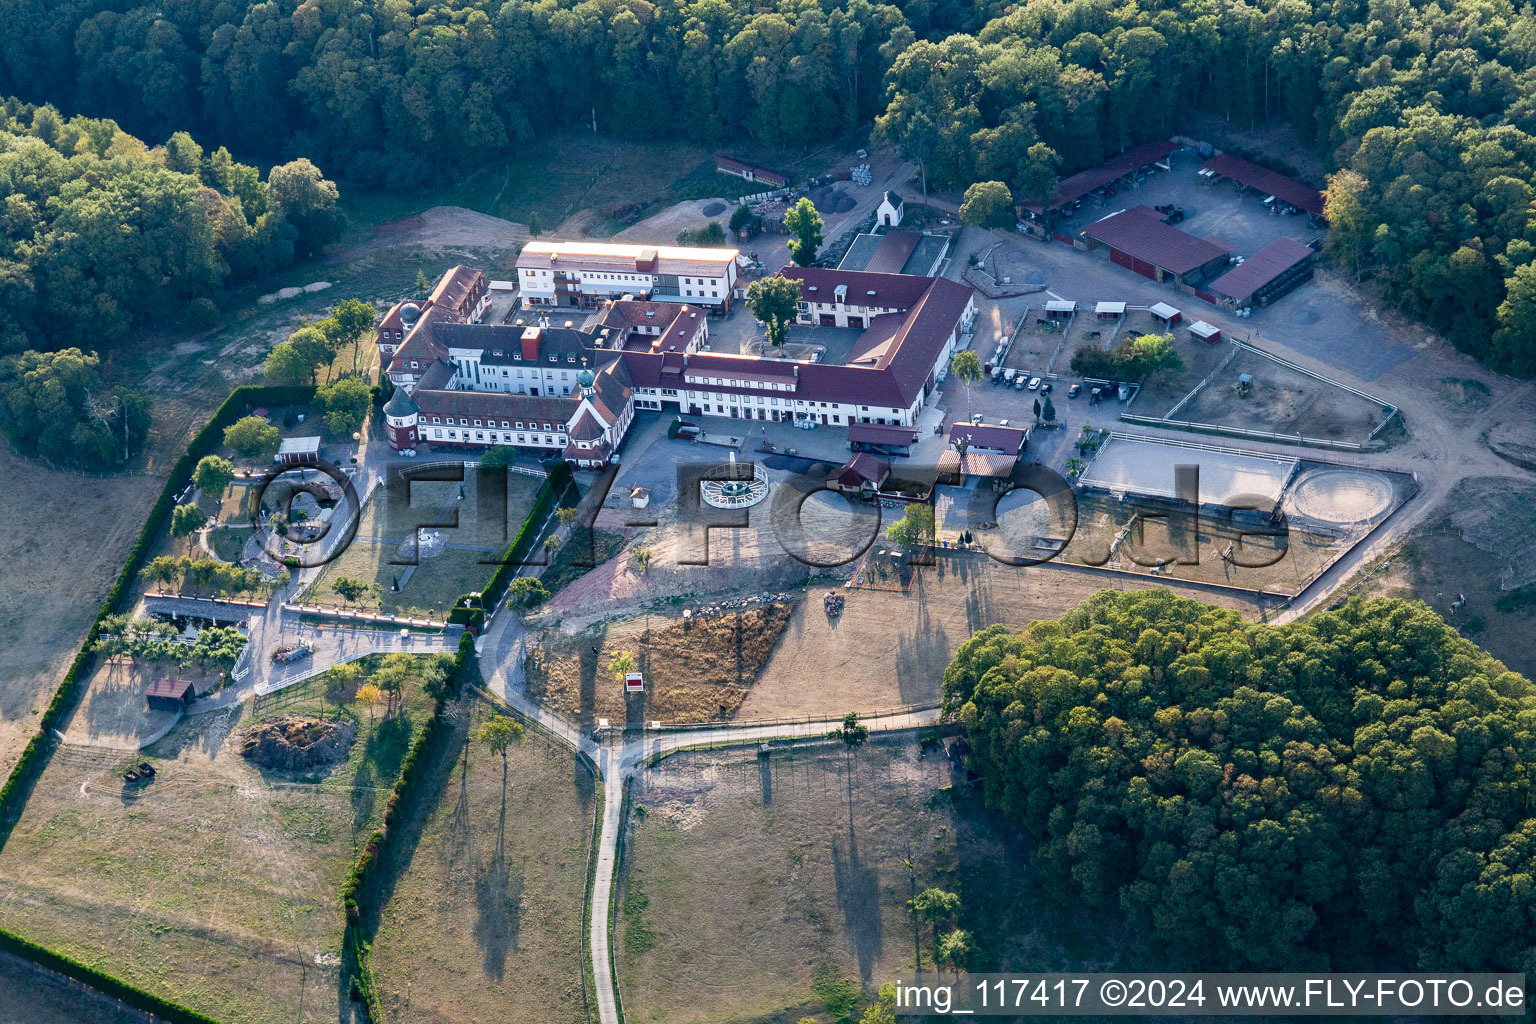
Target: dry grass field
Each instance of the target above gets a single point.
(484, 923)
(1440, 561)
(890, 648)
(435, 582)
(697, 670)
(1284, 401)
(216, 883)
(57, 570)
(754, 890)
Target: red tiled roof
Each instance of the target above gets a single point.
(894, 378)
(861, 469)
(1261, 268)
(586, 428)
(1141, 233)
(1303, 197)
(455, 287)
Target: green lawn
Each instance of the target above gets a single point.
(436, 582)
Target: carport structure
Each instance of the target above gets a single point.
(1070, 190)
(1271, 183)
(1266, 275)
(1139, 240)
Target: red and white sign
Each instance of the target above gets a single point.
(634, 682)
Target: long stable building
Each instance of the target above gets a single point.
(1266, 275)
(1271, 183)
(1140, 240)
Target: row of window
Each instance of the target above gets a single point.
(770, 385)
(464, 422)
(549, 440)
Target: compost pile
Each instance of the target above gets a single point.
(295, 743)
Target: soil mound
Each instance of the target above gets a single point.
(295, 743)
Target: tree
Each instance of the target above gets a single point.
(350, 588)
(1048, 411)
(953, 949)
(1037, 178)
(914, 528)
(852, 732)
(287, 364)
(934, 907)
(740, 217)
(966, 365)
(339, 679)
(883, 1009)
(305, 199)
(804, 225)
(987, 204)
(567, 515)
(621, 664)
(187, 519)
(57, 405)
(161, 570)
(642, 555)
(370, 696)
(1514, 343)
(346, 403)
(497, 734)
(1250, 752)
(311, 347)
(552, 543)
(498, 456)
(213, 476)
(527, 592)
(251, 436)
(775, 301)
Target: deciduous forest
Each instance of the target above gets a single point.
(1342, 793)
(1426, 112)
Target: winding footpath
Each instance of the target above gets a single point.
(624, 756)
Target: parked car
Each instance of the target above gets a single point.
(1019, 383)
(1034, 383)
(1045, 388)
(1074, 390)
(976, 417)
(1003, 422)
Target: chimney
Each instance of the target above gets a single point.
(531, 336)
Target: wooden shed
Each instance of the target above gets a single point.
(168, 694)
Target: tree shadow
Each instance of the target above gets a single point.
(858, 894)
(498, 913)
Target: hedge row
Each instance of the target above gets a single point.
(360, 879)
(34, 757)
(552, 492)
